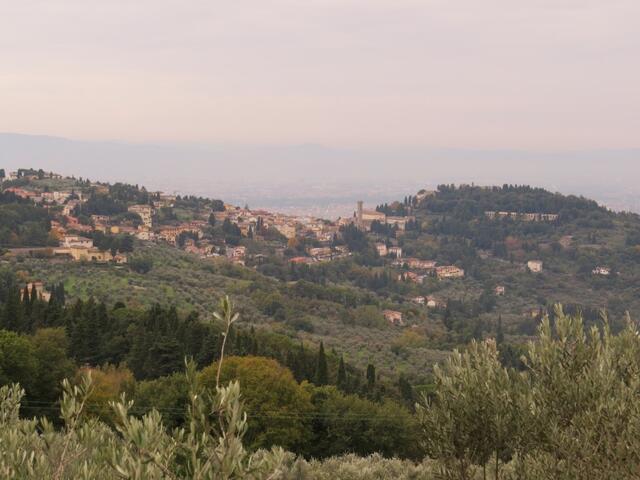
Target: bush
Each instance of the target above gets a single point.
(352, 467)
(574, 413)
(278, 407)
(141, 264)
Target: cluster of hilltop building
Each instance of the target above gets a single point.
(525, 217)
(364, 218)
(74, 242)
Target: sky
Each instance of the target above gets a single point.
(533, 75)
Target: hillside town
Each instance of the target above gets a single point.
(322, 238)
(103, 224)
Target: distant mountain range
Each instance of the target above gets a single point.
(300, 177)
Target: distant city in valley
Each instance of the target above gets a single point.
(322, 181)
(334, 201)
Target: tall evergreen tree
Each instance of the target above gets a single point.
(341, 382)
(371, 376)
(26, 300)
(406, 390)
(13, 312)
(34, 295)
(322, 375)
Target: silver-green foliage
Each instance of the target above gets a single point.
(210, 447)
(574, 413)
(353, 467)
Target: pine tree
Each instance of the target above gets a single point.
(341, 383)
(322, 376)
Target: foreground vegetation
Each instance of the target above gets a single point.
(571, 413)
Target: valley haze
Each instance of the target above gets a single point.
(326, 181)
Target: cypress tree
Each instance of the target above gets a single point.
(406, 390)
(322, 376)
(447, 318)
(13, 313)
(61, 297)
(34, 295)
(342, 376)
(371, 376)
(26, 300)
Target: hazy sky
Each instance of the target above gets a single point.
(523, 74)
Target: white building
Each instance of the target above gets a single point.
(382, 249)
(604, 271)
(534, 266)
(145, 212)
(449, 271)
(76, 241)
(70, 206)
(393, 317)
(287, 230)
(419, 264)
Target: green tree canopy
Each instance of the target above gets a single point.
(277, 406)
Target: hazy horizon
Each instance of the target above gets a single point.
(288, 103)
(324, 180)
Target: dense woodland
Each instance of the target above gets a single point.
(142, 351)
(22, 223)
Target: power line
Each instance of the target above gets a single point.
(180, 413)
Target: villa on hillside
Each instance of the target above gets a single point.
(449, 271)
(382, 249)
(604, 271)
(39, 289)
(76, 241)
(535, 266)
(433, 302)
(419, 264)
(525, 217)
(90, 254)
(145, 212)
(393, 317)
